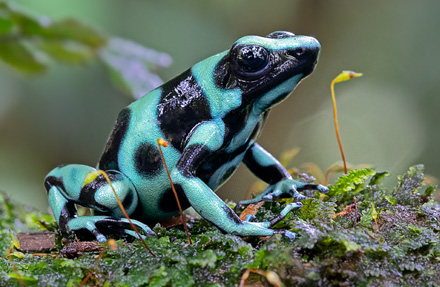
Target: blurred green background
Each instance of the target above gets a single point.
(388, 118)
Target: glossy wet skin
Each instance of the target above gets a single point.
(212, 115)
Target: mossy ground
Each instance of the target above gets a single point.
(338, 244)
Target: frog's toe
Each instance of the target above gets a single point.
(250, 218)
(287, 233)
(308, 186)
(101, 238)
(141, 227)
(300, 197)
(288, 208)
(132, 233)
(269, 197)
(85, 225)
(103, 226)
(123, 226)
(322, 188)
(98, 235)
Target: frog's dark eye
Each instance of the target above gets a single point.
(252, 58)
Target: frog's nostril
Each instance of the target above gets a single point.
(298, 51)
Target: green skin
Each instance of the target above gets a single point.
(211, 115)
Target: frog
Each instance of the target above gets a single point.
(211, 115)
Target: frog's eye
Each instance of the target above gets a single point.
(252, 58)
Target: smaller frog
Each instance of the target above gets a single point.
(211, 115)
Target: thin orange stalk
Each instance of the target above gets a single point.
(335, 118)
(161, 142)
(344, 76)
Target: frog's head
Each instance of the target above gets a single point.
(267, 69)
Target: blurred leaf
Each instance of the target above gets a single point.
(25, 40)
(6, 25)
(287, 156)
(20, 57)
(315, 171)
(27, 23)
(66, 29)
(337, 167)
(130, 65)
(67, 51)
(73, 30)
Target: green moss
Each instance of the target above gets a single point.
(332, 249)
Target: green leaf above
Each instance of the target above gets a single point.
(18, 55)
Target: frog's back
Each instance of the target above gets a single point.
(133, 150)
(171, 111)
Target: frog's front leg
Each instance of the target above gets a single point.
(204, 141)
(84, 185)
(270, 170)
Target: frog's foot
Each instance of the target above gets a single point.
(300, 186)
(79, 184)
(284, 188)
(268, 224)
(288, 208)
(102, 226)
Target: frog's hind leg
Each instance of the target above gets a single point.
(84, 185)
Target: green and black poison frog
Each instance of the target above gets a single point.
(211, 115)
